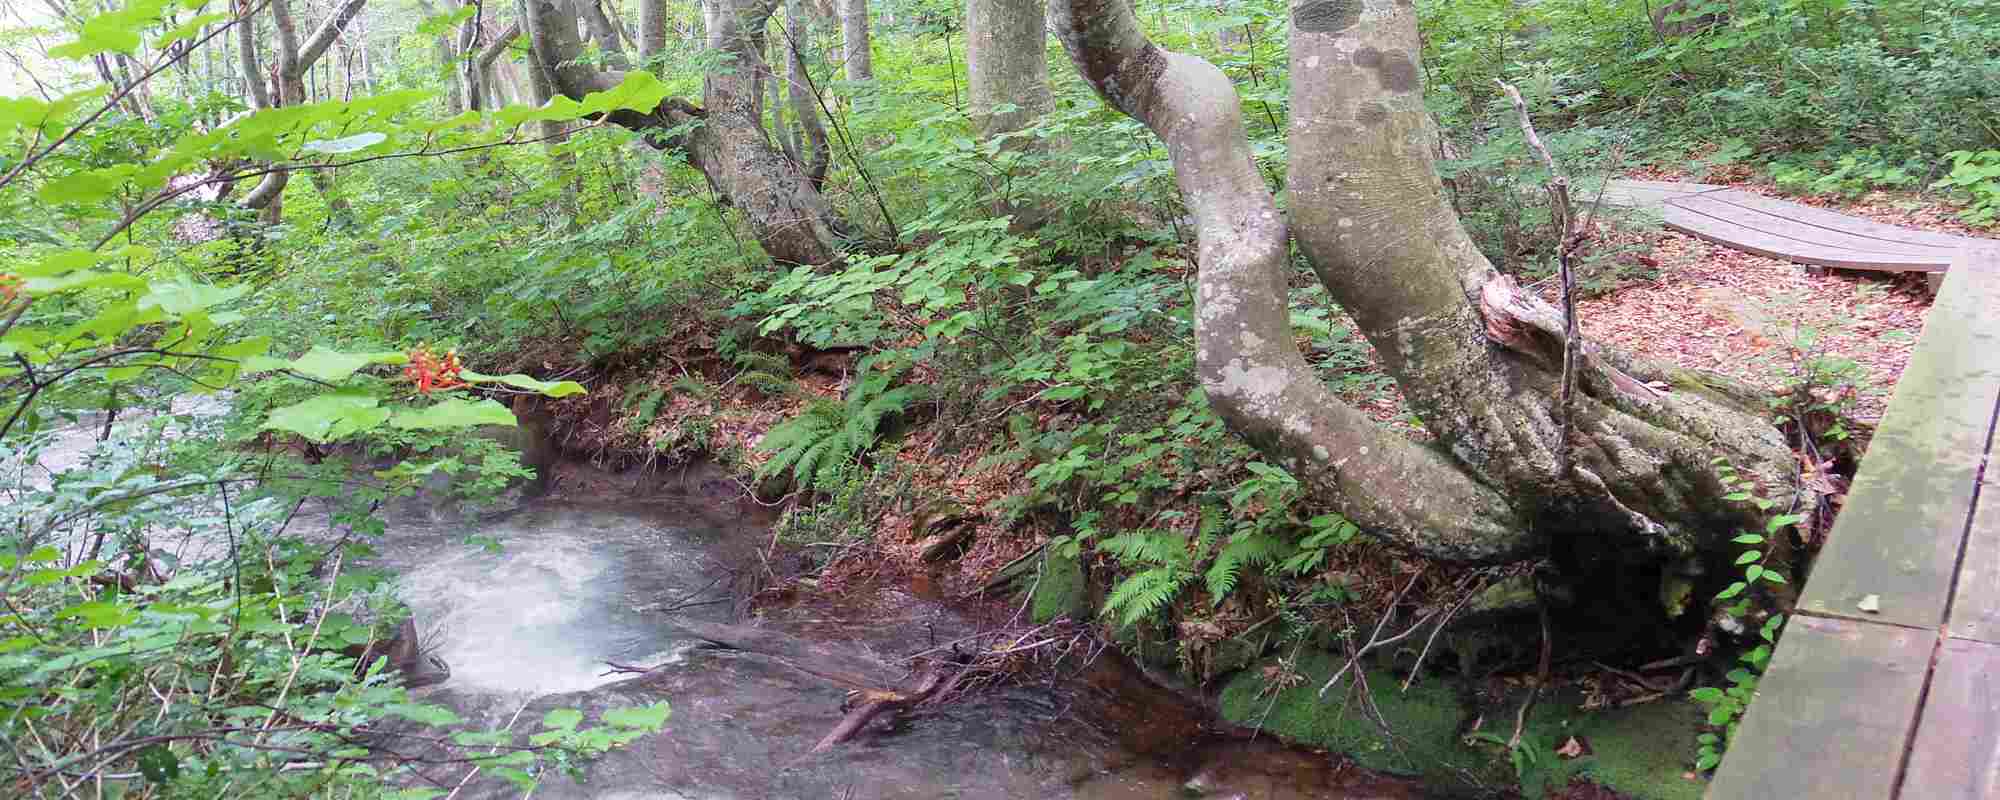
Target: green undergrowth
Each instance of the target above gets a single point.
(1638, 751)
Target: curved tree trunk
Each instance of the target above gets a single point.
(730, 146)
(1478, 358)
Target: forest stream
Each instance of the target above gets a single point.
(577, 585)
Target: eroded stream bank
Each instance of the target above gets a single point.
(532, 609)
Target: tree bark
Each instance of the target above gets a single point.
(854, 47)
(1006, 62)
(287, 81)
(731, 147)
(1477, 357)
(810, 136)
(652, 32)
(454, 99)
(604, 33)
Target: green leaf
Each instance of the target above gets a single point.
(1747, 557)
(562, 719)
(188, 29)
(647, 717)
(1754, 572)
(329, 416)
(88, 186)
(326, 365)
(1749, 538)
(1708, 761)
(100, 614)
(345, 144)
(183, 296)
(1706, 694)
(422, 713)
(550, 388)
(455, 412)
(1772, 576)
(158, 763)
(1733, 590)
(25, 112)
(112, 31)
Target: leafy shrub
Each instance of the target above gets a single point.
(1977, 177)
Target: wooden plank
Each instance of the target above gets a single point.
(1813, 215)
(1975, 609)
(1729, 206)
(1956, 755)
(1641, 194)
(1736, 236)
(1833, 713)
(1905, 519)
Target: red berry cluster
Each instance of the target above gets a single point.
(10, 288)
(430, 372)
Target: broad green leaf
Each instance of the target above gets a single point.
(88, 186)
(25, 112)
(420, 713)
(331, 366)
(329, 416)
(1747, 557)
(112, 31)
(346, 144)
(1749, 538)
(183, 296)
(562, 718)
(189, 29)
(550, 388)
(453, 412)
(85, 279)
(647, 717)
(100, 614)
(640, 91)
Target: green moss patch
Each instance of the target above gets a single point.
(1642, 751)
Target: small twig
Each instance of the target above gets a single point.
(1560, 211)
(1541, 677)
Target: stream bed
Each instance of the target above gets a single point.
(531, 621)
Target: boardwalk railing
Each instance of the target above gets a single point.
(1886, 684)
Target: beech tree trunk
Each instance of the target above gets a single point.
(731, 147)
(653, 21)
(1478, 358)
(854, 48)
(1006, 62)
(286, 81)
(810, 142)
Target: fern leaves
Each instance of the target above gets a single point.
(1146, 592)
(825, 438)
(1248, 549)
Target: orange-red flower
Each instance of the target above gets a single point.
(10, 287)
(430, 372)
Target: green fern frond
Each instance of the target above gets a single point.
(1145, 593)
(1148, 547)
(1250, 549)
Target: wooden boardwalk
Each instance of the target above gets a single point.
(1900, 702)
(1789, 231)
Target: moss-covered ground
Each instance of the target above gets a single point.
(1642, 751)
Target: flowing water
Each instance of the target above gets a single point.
(533, 607)
(576, 585)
